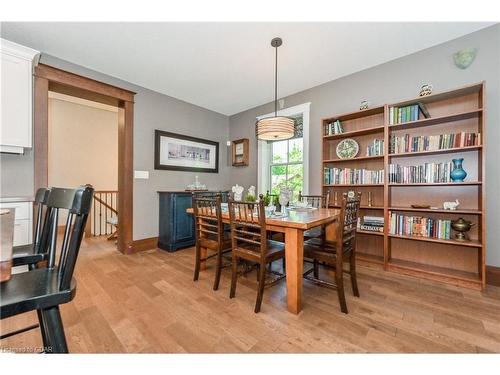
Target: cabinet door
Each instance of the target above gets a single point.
(183, 222)
(16, 101)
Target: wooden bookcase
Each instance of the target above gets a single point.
(450, 261)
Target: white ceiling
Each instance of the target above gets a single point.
(229, 67)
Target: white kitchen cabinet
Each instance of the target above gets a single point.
(23, 221)
(16, 128)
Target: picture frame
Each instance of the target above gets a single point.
(240, 152)
(179, 152)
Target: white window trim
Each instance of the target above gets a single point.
(263, 152)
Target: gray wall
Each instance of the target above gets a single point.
(392, 82)
(151, 111)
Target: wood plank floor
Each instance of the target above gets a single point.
(147, 302)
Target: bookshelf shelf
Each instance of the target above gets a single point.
(465, 183)
(360, 231)
(436, 152)
(448, 261)
(354, 133)
(363, 207)
(354, 185)
(471, 243)
(438, 210)
(370, 258)
(353, 159)
(447, 275)
(437, 120)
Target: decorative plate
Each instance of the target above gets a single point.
(347, 148)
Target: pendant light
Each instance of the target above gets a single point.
(276, 127)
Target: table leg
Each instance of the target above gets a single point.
(203, 257)
(294, 254)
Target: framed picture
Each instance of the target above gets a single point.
(178, 152)
(240, 152)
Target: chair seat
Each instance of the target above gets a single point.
(36, 289)
(324, 251)
(210, 242)
(313, 232)
(25, 255)
(275, 251)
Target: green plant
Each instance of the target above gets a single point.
(250, 198)
(267, 200)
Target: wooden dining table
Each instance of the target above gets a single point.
(293, 225)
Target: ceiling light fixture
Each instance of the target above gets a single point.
(276, 127)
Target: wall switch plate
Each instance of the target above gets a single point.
(228, 143)
(141, 175)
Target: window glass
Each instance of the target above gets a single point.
(280, 150)
(295, 150)
(278, 177)
(295, 179)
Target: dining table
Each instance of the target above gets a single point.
(293, 223)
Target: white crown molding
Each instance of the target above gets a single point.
(17, 50)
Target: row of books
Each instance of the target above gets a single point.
(371, 223)
(376, 148)
(399, 115)
(333, 128)
(344, 176)
(402, 225)
(407, 143)
(424, 173)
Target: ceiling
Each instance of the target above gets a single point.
(229, 67)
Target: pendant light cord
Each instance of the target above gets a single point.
(276, 84)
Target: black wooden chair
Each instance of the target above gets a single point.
(44, 289)
(334, 252)
(210, 234)
(36, 252)
(250, 243)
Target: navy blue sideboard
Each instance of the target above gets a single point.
(176, 226)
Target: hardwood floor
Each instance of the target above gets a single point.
(147, 302)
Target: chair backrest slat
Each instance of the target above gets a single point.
(77, 203)
(349, 213)
(41, 228)
(248, 225)
(317, 201)
(208, 217)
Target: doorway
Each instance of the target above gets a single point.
(48, 79)
(83, 149)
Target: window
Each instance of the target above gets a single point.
(286, 165)
(286, 162)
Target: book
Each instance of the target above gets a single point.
(349, 176)
(424, 173)
(418, 226)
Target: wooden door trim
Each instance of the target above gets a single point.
(49, 78)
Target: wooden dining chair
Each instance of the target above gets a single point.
(250, 243)
(210, 234)
(44, 289)
(316, 201)
(37, 251)
(334, 252)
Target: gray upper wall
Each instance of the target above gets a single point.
(152, 111)
(392, 82)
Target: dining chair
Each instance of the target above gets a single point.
(316, 201)
(44, 289)
(210, 234)
(250, 243)
(37, 251)
(334, 252)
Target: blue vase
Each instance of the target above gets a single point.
(458, 174)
